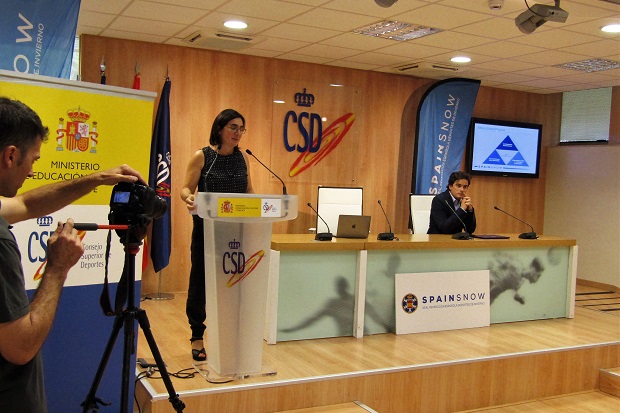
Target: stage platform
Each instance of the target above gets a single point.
(448, 371)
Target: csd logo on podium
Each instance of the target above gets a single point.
(235, 263)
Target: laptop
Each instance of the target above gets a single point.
(353, 226)
(489, 236)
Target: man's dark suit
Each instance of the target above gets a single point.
(443, 220)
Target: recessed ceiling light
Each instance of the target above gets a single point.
(460, 59)
(395, 30)
(235, 24)
(336, 85)
(611, 28)
(591, 65)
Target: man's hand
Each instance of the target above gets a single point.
(122, 173)
(64, 249)
(467, 204)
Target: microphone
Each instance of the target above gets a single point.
(385, 236)
(525, 235)
(249, 152)
(217, 153)
(321, 236)
(85, 226)
(459, 235)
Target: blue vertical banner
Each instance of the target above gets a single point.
(37, 36)
(443, 122)
(160, 179)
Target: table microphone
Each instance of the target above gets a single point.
(459, 235)
(249, 152)
(321, 236)
(385, 236)
(525, 235)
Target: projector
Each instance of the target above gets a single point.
(539, 14)
(550, 13)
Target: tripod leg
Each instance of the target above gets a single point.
(128, 350)
(144, 323)
(90, 404)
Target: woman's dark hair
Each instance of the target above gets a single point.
(457, 176)
(19, 125)
(220, 121)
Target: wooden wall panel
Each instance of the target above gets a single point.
(204, 82)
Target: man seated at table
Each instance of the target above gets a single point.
(452, 204)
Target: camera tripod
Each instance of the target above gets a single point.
(126, 319)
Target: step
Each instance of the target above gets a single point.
(353, 407)
(609, 381)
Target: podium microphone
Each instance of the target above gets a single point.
(459, 235)
(525, 235)
(249, 152)
(321, 236)
(385, 236)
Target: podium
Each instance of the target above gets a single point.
(237, 235)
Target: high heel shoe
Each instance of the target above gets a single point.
(198, 354)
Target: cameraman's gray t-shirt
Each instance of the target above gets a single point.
(21, 387)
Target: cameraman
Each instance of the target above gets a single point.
(23, 325)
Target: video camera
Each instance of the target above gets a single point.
(135, 205)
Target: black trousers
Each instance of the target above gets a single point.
(196, 300)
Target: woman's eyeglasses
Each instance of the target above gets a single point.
(237, 128)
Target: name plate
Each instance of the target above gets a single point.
(249, 207)
(442, 301)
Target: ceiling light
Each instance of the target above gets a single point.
(611, 28)
(461, 59)
(395, 30)
(235, 24)
(591, 65)
(385, 3)
(539, 14)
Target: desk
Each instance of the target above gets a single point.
(346, 287)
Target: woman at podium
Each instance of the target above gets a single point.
(220, 167)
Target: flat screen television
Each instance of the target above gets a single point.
(504, 148)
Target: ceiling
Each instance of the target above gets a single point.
(320, 31)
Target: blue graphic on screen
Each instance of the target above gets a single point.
(506, 153)
(498, 148)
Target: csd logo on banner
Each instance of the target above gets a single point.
(234, 262)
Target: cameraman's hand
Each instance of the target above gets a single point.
(64, 249)
(122, 173)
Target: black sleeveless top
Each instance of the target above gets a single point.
(223, 173)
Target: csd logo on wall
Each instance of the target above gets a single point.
(315, 143)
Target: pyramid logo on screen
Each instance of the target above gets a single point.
(506, 153)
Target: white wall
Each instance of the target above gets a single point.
(583, 202)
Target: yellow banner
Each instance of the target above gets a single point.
(88, 132)
(239, 207)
